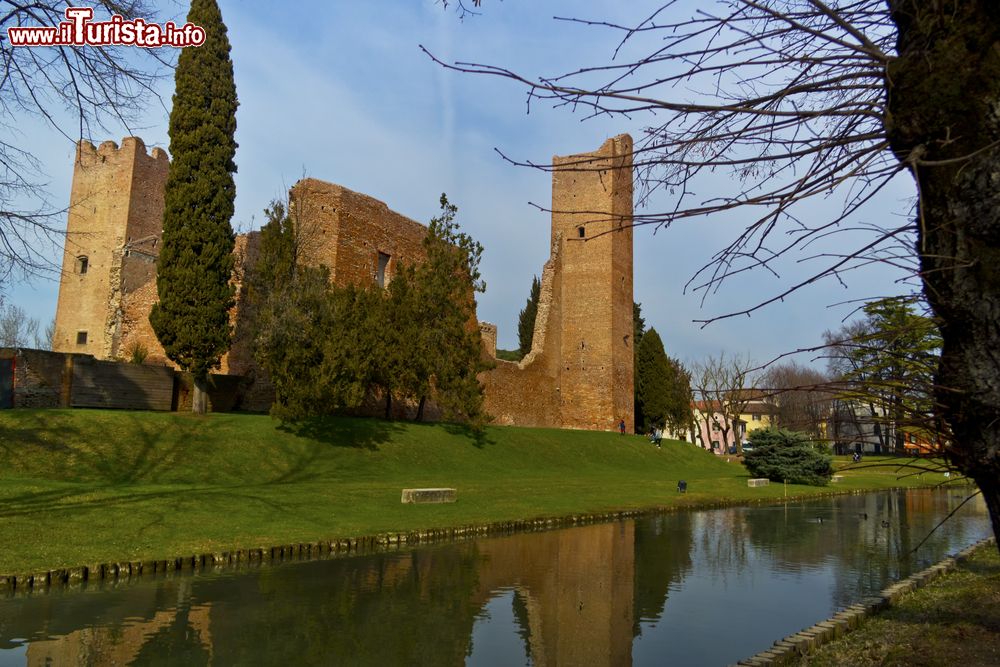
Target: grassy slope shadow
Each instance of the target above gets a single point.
(356, 432)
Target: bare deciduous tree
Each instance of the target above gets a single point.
(17, 329)
(801, 397)
(808, 100)
(724, 386)
(75, 90)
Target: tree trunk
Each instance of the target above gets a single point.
(898, 416)
(388, 404)
(199, 396)
(420, 409)
(943, 122)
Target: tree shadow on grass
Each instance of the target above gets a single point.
(354, 432)
(479, 436)
(110, 463)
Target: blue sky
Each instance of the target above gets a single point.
(339, 90)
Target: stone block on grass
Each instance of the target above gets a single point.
(420, 496)
(762, 481)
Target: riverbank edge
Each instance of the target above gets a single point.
(43, 581)
(789, 650)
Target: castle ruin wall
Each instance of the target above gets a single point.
(578, 373)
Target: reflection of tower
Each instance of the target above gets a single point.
(112, 233)
(592, 219)
(122, 644)
(577, 585)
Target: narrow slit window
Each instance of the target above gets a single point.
(81, 337)
(581, 232)
(383, 265)
(82, 264)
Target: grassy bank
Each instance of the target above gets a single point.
(83, 486)
(955, 620)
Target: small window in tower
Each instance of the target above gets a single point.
(383, 264)
(581, 231)
(81, 337)
(82, 263)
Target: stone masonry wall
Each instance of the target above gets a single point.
(116, 193)
(345, 231)
(39, 377)
(116, 221)
(527, 393)
(488, 332)
(592, 208)
(579, 372)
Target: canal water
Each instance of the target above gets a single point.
(687, 588)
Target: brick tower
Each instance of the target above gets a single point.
(592, 224)
(112, 235)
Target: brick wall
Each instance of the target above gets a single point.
(579, 373)
(488, 332)
(346, 231)
(117, 194)
(38, 377)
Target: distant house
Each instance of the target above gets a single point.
(861, 426)
(757, 414)
(710, 427)
(710, 423)
(918, 442)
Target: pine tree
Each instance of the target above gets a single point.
(888, 362)
(638, 328)
(526, 319)
(663, 387)
(680, 415)
(191, 319)
(651, 375)
(448, 353)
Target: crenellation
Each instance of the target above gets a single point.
(107, 148)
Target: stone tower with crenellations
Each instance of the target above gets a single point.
(112, 235)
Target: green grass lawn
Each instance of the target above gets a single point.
(87, 486)
(955, 620)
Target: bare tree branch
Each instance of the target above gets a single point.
(76, 91)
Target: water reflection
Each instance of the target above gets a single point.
(693, 588)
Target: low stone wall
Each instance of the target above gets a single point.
(44, 379)
(789, 650)
(41, 582)
(122, 386)
(39, 377)
(33, 583)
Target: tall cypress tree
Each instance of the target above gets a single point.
(638, 328)
(191, 319)
(651, 376)
(526, 319)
